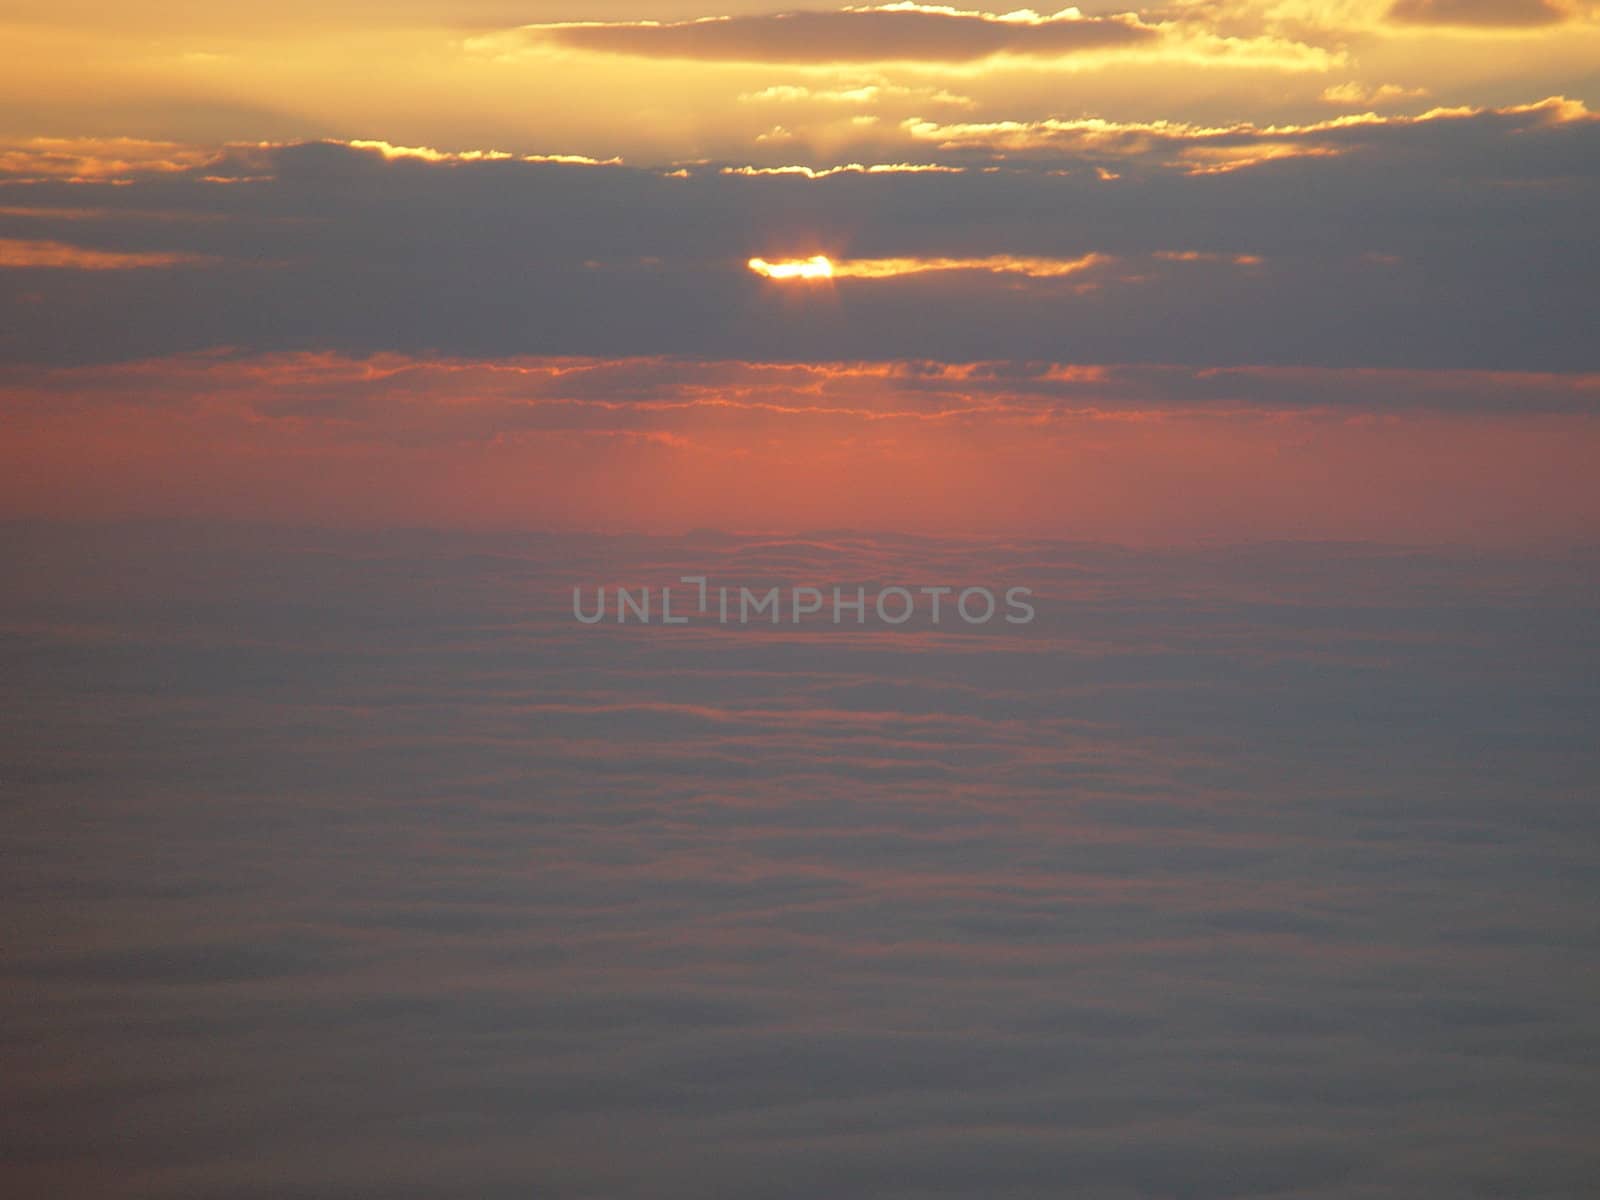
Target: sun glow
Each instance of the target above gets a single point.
(818, 266)
(821, 267)
(994, 264)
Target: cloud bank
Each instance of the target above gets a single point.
(354, 866)
(1381, 241)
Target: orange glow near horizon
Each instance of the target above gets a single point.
(1124, 454)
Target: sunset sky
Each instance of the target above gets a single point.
(1210, 271)
(343, 344)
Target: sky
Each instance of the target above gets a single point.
(1210, 272)
(350, 350)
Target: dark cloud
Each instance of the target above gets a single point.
(1463, 240)
(862, 35)
(1485, 14)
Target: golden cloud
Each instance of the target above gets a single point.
(99, 159)
(820, 267)
(430, 155)
(861, 94)
(1199, 149)
(1354, 95)
(848, 169)
(23, 254)
(993, 264)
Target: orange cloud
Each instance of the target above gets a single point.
(1242, 260)
(1354, 94)
(21, 254)
(994, 264)
(821, 267)
(1219, 160)
(120, 160)
(98, 159)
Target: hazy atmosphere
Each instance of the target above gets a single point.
(632, 600)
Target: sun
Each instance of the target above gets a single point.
(818, 266)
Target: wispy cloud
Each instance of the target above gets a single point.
(22, 254)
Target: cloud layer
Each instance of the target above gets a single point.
(1383, 241)
(353, 865)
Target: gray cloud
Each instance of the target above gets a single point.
(350, 865)
(1483, 14)
(1462, 242)
(859, 35)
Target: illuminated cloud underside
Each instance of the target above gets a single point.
(849, 169)
(994, 264)
(1206, 149)
(429, 154)
(821, 267)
